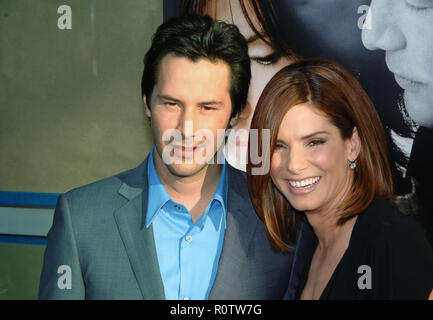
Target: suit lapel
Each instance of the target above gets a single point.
(140, 246)
(137, 239)
(241, 225)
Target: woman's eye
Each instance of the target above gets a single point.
(279, 146)
(316, 142)
(269, 59)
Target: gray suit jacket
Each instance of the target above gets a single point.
(99, 233)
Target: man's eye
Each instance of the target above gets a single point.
(269, 59)
(208, 108)
(171, 104)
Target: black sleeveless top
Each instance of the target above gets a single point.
(388, 257)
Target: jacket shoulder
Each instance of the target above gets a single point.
(103, 194)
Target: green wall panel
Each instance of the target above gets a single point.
(70, 100)
(20, 270)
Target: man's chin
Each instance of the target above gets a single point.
(186, 170)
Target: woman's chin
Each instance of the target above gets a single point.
(303, 206)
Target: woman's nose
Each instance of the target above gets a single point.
(296, 161)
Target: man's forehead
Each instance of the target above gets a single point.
(181, 66)
(184, 79)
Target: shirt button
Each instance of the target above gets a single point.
(177, 207)
(186, 298)
(188, 238)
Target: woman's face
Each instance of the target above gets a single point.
(264, 64)
(310, 163)
(404, 30)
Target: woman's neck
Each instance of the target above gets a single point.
(324, 220)
(329, 233)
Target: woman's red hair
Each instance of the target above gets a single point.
(336, 93)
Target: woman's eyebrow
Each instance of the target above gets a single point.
(313, 134)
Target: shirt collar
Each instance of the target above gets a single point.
(159, 196)
(220, 196)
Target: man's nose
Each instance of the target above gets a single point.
(188, 122)
(383, 30)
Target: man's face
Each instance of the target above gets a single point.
(190, 110)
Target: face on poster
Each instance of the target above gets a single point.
(399, 28)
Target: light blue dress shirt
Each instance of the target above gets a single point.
(188, 253)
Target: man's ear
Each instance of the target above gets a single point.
(147, 108)
(354, 145)
(234, 121)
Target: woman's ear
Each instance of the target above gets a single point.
(354, 145)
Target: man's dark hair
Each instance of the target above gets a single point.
(200, 37)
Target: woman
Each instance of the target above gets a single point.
(328, 164)
(332, 29)
(399, 28)
(268, 51)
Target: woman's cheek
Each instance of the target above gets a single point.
(276, 166)
(323, 157)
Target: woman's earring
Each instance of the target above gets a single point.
(352, 165)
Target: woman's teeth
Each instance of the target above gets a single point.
(304, 183)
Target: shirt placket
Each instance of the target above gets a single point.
(187, 249)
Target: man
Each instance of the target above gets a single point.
(181, 225)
